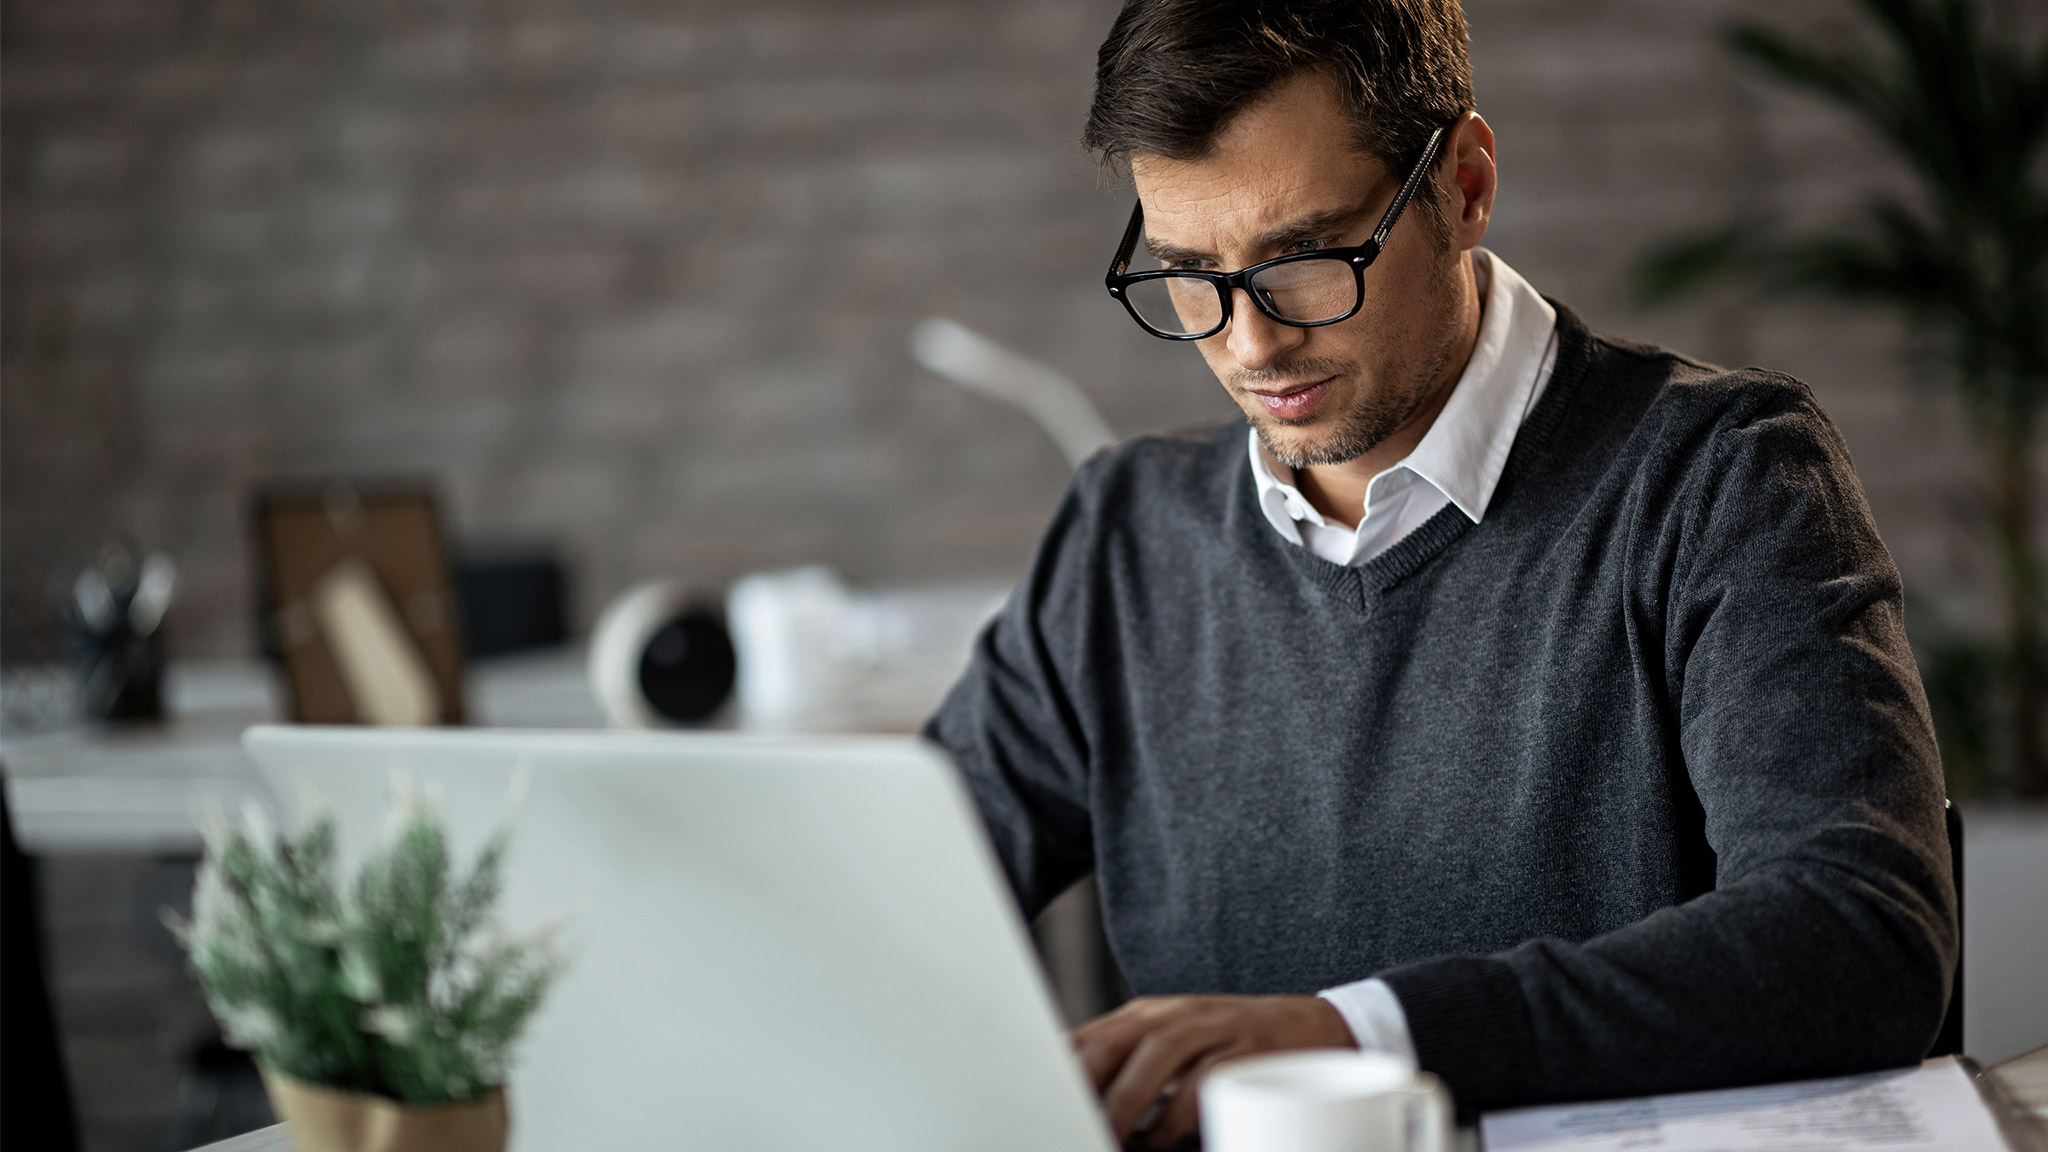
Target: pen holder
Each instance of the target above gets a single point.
(115, 624)
(120, 675)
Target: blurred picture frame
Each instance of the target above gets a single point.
(357, 602)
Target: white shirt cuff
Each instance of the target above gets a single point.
(1374, 1015)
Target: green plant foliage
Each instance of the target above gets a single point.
(1964, 258)
(401, 987)
(1968, 113)
(1679, 268)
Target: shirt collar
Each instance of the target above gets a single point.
(1465, 450)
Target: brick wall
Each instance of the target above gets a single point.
(636, 277)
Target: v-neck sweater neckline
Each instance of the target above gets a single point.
(1361, 587)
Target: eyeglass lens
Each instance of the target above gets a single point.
(1306, 291)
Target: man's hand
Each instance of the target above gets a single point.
(1156, 1050)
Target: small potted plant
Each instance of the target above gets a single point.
(382, 1015)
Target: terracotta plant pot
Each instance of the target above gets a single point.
(330, 1120)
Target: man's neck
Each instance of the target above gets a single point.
(1338, 490)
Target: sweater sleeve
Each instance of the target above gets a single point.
(1827, 941)
(1011, 723)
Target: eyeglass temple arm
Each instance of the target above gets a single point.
(1129, 243)
(1408, 189)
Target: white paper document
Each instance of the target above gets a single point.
(1934, 1108)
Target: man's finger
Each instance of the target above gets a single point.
(1103, 1051)
(1163, 1056)
(1183, 1108)
(1105, 1042)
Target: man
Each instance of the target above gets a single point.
(1532, 702)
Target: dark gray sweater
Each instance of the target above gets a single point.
(1628, 788)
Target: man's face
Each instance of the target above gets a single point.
(1282, 178)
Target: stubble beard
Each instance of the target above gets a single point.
(1372, 418)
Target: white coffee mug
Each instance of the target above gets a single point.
(1334, 1100)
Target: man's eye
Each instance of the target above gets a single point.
(1310, 246)
(1189, 265)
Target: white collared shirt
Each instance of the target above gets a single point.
(1460, 458)
(1458, 461)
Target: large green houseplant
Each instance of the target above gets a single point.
(382, 1014)
(1964, 257)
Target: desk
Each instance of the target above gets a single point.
(275, 1139)
(140, 789)
(271, 1139)
(2024, 1078)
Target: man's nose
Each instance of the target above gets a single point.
(1255, 339)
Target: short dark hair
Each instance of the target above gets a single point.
(1173, 72)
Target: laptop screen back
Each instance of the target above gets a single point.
(775, 943)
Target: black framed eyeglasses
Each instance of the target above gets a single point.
(1305, 290)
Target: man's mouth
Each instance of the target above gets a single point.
(1294, 401)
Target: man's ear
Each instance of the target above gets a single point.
(1469, 180)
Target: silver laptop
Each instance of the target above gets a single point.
(778, 943)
